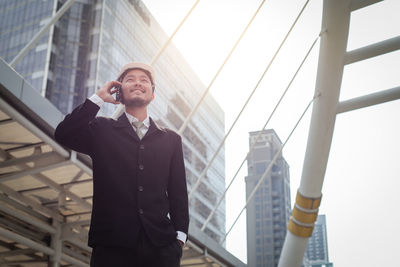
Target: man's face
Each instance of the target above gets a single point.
(137, 89)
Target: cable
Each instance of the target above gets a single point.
(120, 108)
(259, 81)
(189, 117)
(269, 168)
(172, 36)
(259, 134)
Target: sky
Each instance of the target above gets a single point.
(362, 180)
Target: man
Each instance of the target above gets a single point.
(140, 205)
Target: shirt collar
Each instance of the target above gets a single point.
(131, 119)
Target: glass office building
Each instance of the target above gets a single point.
(269, 210)
(317, 248)
(88, 46)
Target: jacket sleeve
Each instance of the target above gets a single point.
(177, 190)
(73, 132)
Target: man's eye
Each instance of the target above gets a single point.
(144, 80)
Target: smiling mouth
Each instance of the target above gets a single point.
(136, 90)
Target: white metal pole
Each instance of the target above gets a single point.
(335, 20)
(373, 50)
(369, 100)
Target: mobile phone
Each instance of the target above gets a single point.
(118, 94)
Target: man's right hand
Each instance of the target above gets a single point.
(107, 90)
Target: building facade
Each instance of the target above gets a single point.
(317, 247)
(268, 212)
(88, 46)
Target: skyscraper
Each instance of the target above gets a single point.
(88, 46)
(269, 210)
(317, 247)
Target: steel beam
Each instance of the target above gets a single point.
(373, 50)
(82, 244)
(19, 206)
(16, 252)
(76, 254)
(73, 232)
(56, 245)
(13, 113)
(369, 100)
(12, 246)
(23, 262)
(74, 261)
(25, 241)
(32, 158)
(47, 181)
(77, 223)
(6, 121)
(28, 219)
(335, 20)
(66, 186)
(80, 164)
(358, 4)
(32, 171)
(24, 147)
(38, 247)
(29, 202)
(22, 229)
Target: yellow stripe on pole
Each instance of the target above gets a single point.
(308, 202)
(299, 230)
(304, 217)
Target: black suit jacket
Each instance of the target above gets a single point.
(137, 184)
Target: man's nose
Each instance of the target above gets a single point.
(137, 82)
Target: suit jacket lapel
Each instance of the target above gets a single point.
(123, 122)
(154, 127)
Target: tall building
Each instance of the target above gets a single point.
(269, 210)
(317, 247)
(88, 46)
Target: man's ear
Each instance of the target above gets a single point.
(152, 96)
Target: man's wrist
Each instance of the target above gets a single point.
(95, 98)
(181, 236)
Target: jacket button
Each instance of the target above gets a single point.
(141, 167)
(141, 146)
(140, 188)
(140, 211)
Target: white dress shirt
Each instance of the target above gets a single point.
(146, 125)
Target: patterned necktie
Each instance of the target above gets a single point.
(138, 125)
